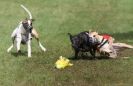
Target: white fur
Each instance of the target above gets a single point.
(9, 49)
(44, 49)
(106, 47)
(29, 22)
(29, 45)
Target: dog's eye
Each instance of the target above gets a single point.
(94, 36)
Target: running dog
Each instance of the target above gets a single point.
(24, 33)
(82, 43)
(106, 45)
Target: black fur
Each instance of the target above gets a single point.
(82, 43)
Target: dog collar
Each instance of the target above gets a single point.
(102, 43)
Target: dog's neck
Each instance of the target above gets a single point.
(104, 46)
(99, 38)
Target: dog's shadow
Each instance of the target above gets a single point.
(85, 57)
(15, 54)
(24, 53)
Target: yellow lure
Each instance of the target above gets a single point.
(62, 62)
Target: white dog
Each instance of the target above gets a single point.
(24, 33)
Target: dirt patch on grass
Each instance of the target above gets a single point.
(126, 53)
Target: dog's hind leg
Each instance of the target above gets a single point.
(35, 34)
(9, 49)
(76, 54)
(122, 45)
(18, 42)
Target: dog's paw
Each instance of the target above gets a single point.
(29, 56)
(44, 49)
(8, 50)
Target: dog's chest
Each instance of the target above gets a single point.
(24, 35)
(25, 38)
(23, 31)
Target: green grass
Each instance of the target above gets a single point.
(54, 19)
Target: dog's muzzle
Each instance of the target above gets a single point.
(30, 28)
(92, 40)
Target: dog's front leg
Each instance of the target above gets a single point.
(9, 49)
(13, 39)
(18, 42)
(29, 45)
(35, 34)
(92, 52)
(76, 54)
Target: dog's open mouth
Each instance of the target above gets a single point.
(108, 54)
(103, 53)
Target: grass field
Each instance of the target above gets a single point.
(54, 19)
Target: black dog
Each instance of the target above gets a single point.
(82, 43)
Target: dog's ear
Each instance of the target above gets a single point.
(32, 20)
(24, 21)
(26, 18)
(97, 32)
(90, 30)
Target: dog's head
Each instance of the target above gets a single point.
(94, 37)
(27, 24)
(81, 41)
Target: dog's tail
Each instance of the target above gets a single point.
(29, 13)
(70, 35)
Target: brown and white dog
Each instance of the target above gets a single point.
(24, 33)
(107, 46)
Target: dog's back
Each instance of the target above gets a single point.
(85, 41)
(81, 42)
